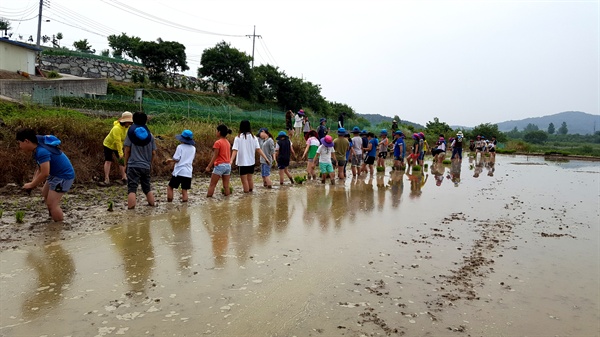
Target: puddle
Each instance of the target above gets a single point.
(474, 249)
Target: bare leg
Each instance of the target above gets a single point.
(184, 195)
(226, 184)
(281, 172)
(214, 179)
(131, 200)
(150, 199)
(169, 193)
(123, 174)
(53, 203)
(245, 183)
(107, 165)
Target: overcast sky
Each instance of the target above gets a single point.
(466, 62)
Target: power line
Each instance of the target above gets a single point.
(26, 11)
(156, 19)
(264, 44)
(74, 26)
(81, 19)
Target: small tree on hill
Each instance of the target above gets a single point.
(563, 129)
(531, 127)
(488, 130)
(536, 137)
(4, 26)
(225, 65)
(436, 127)
(83, 46)
(162, 58)
(551, 128)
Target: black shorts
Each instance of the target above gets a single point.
(108, 154)
(369, 160)
(136, 176)
(246, 170)
(283, 163)
(288, 125)
(382, 155)
(185, 182)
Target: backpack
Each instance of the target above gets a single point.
(50, 143)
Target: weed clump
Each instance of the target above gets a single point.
(19, 216)
(417, 168)
(299, 179)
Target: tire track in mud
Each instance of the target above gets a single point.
(390, 311)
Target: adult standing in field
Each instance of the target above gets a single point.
(54, 169)
(341, 120)
(245, 145)
(394, 126)
(113, 146)
(289, 126)
(140, 148)
(322, 130)
(457, 145)
(341, 146)
(298, 124)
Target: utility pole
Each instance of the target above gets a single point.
(39, 32)
(253, 36)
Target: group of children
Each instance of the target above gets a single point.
(134, 146)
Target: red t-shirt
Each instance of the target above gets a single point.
(224, 156)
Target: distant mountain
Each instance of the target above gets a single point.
(375, 119)
(457, 127)
(577, 122)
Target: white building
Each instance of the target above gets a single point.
(16, 55)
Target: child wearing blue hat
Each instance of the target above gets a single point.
(183, 159)
(399, 150)
(322, 130)
(283, 153)
(382, 148)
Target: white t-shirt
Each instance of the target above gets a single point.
(184, 155)
(246, 148)
(298, 123)
(357, 145)
(325, 154)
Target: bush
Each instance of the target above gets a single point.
(53, 74)
(95, 104)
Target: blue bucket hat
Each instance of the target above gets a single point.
(383, 132)
(322, 120)
(186, 137)
(261, 130)
(398, 132)
(355, 129)
(341, 132)
(363, 132)
(282, 134)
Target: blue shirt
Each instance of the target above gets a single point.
(60, 166)
(397, 143)
(373, 152)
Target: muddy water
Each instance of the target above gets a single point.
(505, 249)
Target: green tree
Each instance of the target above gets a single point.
(124, 44)
(59, 37)
(436, 128)
(535, 137)
(531, 127)
(514, 133)
(105, 52)
(83, 46)
(228, 66)
(551, 128)
(4, 26)
(563, 129)
(267, 80)
(488, 130)
(162, 59)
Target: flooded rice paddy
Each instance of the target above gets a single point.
(503, 249)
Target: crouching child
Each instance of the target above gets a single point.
(54, 170)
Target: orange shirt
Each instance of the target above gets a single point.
(224, 155)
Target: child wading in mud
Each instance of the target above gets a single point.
(54, 169)
(183, 159)
(325, 154)
(140, 148)
(312, 144)
(283, 153)
(265, 140)
(220, 161)
(113, 146)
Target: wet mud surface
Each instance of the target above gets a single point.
(514, 252)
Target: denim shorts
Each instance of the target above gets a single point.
(222, 169)
(59, 185)
(265, 170)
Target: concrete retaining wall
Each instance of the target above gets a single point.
(90, 68)
(41, 92)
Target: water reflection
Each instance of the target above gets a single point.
(397, 187)
(417, 181)
(134, 243)
(266, 212)
(438, 170)
(54, 268)
(455, 172)
(242, 228)
(181, 240)
(282, 210)
(218, 227)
